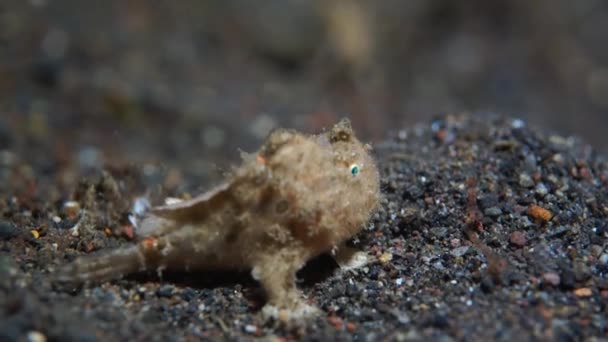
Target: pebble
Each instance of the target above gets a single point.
(518, 123)
(541, 189)
(439, 231)
(7, 230)
(385, 258)
(518, 239)
(165, 291)
(525, 180)
(558, 231)
(604, 259)
(581, 272)
(460, 251)
(530, 162)
(493, 212)
(595, 250)
(583, 292)
(539, 213)
(551, 278)
(251, 329)
(401, 316)
(36, 336)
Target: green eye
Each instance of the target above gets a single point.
(354, 169)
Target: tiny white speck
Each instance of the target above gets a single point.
(399, 281)
(454, 282)
(518, 123)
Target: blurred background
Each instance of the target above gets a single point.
(186, 83)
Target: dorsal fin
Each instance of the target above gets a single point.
(196, 208)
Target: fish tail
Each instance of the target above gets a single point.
(102, 267)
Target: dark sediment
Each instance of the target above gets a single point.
(487, 229)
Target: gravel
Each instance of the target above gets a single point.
(459, 249)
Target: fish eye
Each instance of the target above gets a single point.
(355, 169)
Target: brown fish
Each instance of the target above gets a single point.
(297, 197)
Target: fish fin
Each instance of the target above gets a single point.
(196, 208)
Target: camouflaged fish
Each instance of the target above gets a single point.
(297, 197)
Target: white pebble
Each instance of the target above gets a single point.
(251, 328)
(36, 336)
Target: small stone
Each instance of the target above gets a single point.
(558, 231)
(439, 231)
(583, 292)
(582, 272)
(401, 316)
(539, 213)
(8, 230)
(551, 278)
(35, 233)
(518, 239)
(530, 162)
(385, 258)
(595, 250)
(36, 336)
(165, 291)
(603, 258)
(518, 124)
(525, 180)
(251, 329)
(493, 212)
(455, 243)
(541, 189)
(460, 251)
(488, 201)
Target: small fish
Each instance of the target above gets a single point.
(297, 197)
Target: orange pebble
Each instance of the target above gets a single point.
(583, 292)
(539, 213)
